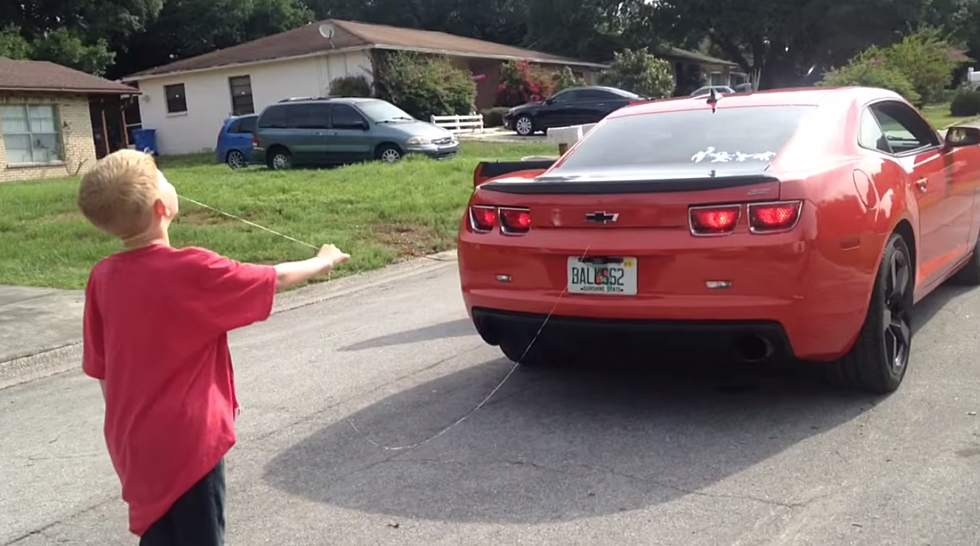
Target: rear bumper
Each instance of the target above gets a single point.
(814, 292)
(692, 338)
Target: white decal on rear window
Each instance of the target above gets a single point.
(727, 157)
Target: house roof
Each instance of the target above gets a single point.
(692, 56)
(349, 35)
(48, 77)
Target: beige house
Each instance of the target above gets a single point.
(46, 119)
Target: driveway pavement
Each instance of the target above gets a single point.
(609, 454)
(34, 320)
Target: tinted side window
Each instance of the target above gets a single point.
(904, 129)
(563, 97)
(729, 139)
(597, 95)
(346, 117)
(309, 116)
(870, 135)
(247, 125)
(275, 117)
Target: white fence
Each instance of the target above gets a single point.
(460, 124)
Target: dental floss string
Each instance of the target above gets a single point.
(466, 416)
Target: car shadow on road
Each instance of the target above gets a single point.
(444, 330)
(561, 444)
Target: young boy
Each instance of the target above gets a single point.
(155, 336)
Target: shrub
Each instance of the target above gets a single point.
(494, 117)
(565, 79)
(423, 85)
(350, 86)
(871, 72)
(924, 58)
(640, 72)
(521, 83)
(965, 103)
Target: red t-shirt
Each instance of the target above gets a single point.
(155, 329)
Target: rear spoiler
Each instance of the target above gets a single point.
(492, 169)
(598, 187)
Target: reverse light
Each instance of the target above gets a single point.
(515, 221)
(482, 218)
(714, 220)
(774, 217)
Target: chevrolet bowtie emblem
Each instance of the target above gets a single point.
(602, 217)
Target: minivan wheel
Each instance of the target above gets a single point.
(389, 153)
(880, 356)
(280, 160)
(235, 159)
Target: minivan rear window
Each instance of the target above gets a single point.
(729, 136)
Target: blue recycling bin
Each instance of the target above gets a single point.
(146, 140)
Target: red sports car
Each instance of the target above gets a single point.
(796, 223)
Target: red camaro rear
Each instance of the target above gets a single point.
(801, 223)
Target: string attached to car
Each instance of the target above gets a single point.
(465, 416)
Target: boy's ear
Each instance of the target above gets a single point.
(161, 210)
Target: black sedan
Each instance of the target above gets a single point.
(573, 106)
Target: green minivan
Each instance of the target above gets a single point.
(335, 131)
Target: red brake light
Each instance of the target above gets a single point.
(770, 217)
(515, 221)
(255, 140)
(482, 218)
(714, 220)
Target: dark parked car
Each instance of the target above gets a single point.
(333, 131)
(573, 106)
(235, 141)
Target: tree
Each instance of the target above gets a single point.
(640, 72)
(186, 28)
(423, 85)
(565, 79)
(871, 72)
(778, 43)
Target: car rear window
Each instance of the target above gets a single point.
(729, 136)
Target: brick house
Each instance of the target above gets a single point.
(46, 119)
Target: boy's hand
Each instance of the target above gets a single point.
(332, 255)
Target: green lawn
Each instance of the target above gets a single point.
(940, 117)
(379, 213)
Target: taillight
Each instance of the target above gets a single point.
(515, 221)
(483, 218)
(772, 217)
(715, 220)
(255, 141)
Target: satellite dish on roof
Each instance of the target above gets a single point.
(327, 30)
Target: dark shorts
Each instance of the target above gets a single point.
(196, 519)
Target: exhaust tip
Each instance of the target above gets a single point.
(753, 348)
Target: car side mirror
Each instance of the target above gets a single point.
(960, 136)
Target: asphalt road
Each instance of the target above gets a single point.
(603, 455)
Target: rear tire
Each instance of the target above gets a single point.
(236, 160)
(280, 159)
(880, 356)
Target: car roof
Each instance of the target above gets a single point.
(806, 96)
(318, 100)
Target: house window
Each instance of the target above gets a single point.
(30, 133)
(176, 98)
(718, 78)
(241, 95)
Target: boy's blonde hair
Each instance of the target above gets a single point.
(118, 193)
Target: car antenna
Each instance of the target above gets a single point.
(713, 99)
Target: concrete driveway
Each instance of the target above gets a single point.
(606, 455)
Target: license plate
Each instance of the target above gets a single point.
(613, 278)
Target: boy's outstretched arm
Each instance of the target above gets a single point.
(290, 274)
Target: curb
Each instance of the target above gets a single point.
(68, 357)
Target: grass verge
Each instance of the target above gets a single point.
(379, 213)
(939, 116)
